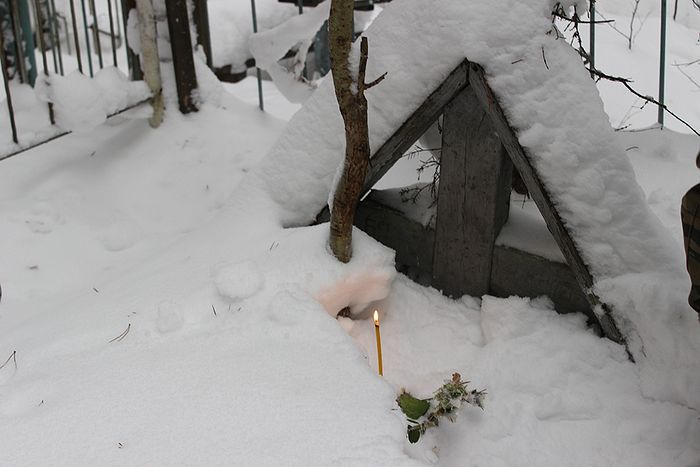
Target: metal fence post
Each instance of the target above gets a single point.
(19, 42)
(112, 38)
(28, 38)
(87, 38)
(76, 39)
(662, 64)
(257, 69)
(55, 37)
(592, 38)
(6, 81)
(96, 33)
(39, 20)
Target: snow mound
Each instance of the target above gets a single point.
(299, 262)
(81, 103)
(239, 281)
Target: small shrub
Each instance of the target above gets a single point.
(446, 401)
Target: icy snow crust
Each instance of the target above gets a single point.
(637, 266)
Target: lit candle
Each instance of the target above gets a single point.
(379, 342)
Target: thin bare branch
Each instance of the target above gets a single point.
(687, 63)
(626, 83)
(574, 20)
(684, 73)
(375, 82)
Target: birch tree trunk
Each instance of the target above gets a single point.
(150, 59)
(353, 108)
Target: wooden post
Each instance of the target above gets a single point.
(183, 60)
(200, 15)
(473, 198)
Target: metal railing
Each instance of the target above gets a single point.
(87, 36)
(662, 54)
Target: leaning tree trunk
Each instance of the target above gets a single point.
(353, 108)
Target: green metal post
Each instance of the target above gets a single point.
(259, 74)
(592, 38)
(28, 39)
(662, 64)
(87, 38)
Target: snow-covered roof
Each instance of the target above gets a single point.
(555, 108)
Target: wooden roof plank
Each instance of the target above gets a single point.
(412, 129)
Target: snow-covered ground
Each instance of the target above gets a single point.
(161, 315)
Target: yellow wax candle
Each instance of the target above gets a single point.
(379, 342)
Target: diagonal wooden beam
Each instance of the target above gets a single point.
(412, 129)
(541, 197)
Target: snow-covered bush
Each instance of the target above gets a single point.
(446, 401)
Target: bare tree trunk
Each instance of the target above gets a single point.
(150, 59)
(353, 108)
(675, 9)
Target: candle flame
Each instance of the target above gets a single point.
(376, 318)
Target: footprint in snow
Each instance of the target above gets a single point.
(170, 317)
(42, 217)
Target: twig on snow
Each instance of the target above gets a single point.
(122, 335)
(13, 357)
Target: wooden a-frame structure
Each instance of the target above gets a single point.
(480, 149)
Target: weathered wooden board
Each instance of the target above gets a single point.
(412, 241)
(472, 205)
(183, 60)
(412, 129)
(513, 272)
(542, 199)
(517, 272)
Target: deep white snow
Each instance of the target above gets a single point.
(162, 314)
